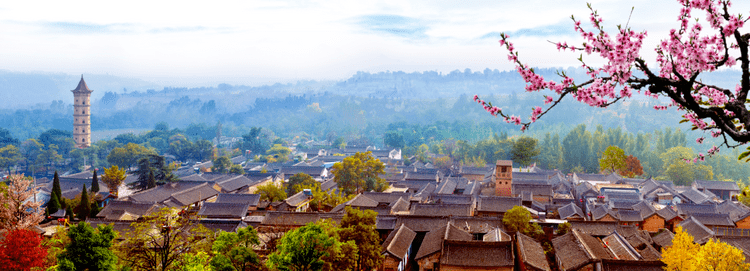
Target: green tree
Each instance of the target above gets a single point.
(680, 168)
(54, 204)
(393, 139)
(155, 163)
(56, 186)
(234, 250)
(236, 169)
(279, 153)
(89, 248)
(351, 174)
(49, 157)
(84, 208)
(221, 164)
(612, 160)
(95, 183)
(359, 226)
(9, 156)
(151, 180)
(270, 192)
(30, 149)
(160, 240)
(517, 219)
(302, 249)
(339, 143)
(128, 155)
(299, 181)
(524, 151)
(577, 149)
(203, 150)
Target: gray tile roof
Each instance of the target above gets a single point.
(689, 208)
(695, 196)
(595, 228)
(451, 199)
(139, 209)
(164, 192)
(663, 238)
(531, 252)
(289, 171)
(289, 218)
(441, 209)
(695, 228)
(629, 215)
(475, 224)
(576, 249)
(496, 235)
(667, 213)
(433, 240)
(223, 210)
(620, 247)
(398, 242)
(477, 254)
(423, 223)
(569, 211)
(716, 185)
(710, 220)
(496, 203)
(222, 224)
(645, 208)
(251, 199)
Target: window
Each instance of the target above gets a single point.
(504, 169)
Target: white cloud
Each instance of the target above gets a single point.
(190, 42)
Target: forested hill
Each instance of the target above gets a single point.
(364, 103)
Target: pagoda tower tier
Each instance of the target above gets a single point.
(82, 115)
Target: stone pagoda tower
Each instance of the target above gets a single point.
(82, 115)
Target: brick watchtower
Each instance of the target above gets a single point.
(504, 178)
(82, 115)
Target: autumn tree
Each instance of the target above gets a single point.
(19, 209)
(612, 160)
(633, 167)
(21, 249)
(159, 241)
(359, 226)
(524, 151)
(113, 178)
(352, 174)
(88, 249)
(234, 250)
(689, 51)
(278, 153)
(684, 254)
(270, 192)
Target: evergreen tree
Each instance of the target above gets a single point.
(56, 186)
(151, 180)
(53, 205)
(95, 183)
(94, 209)
(69, 213)
(84, 208)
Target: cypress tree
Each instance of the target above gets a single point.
(84, 208)
(56, 186)
(69, 213)
(53, 205)
(94, 210)
(95, 183)
(151, 180)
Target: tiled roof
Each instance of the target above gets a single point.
(477, 254)
(194, 194)
(222, 224)
(645, 208)
(569, 211)
(164, 192)
(600, 211)
(531, 252)
(386, 198)
(194, 177)
(710, 220)
(667, 213)
(717, 185)
(629, 215)
(695, 228)
(689, 208)
(399, 241)
(496, 235)
(363, 201)
(416, 176)
(441, 209)
(477, 170)
(621, 265)
(297, 199)
(595, 228)
(236, 182)
(433, 240)
(569, 252)
(289, 171)
(664, 238)
(622, 203)
(400, 205)
(423, 223)
(497, 203)
(289, 218)
(386, 222)
(475, 224)
(139, 209)
(223, 210)
(621, 249)
(734, 210)
(695, 196)
(452, 199)
(251, 199)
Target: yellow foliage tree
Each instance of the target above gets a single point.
(681, 255)
(685, 255)
(720, 256)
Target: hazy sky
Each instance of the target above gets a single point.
(250, 42)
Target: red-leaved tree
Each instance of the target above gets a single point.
(687, 52)
(21, 250)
